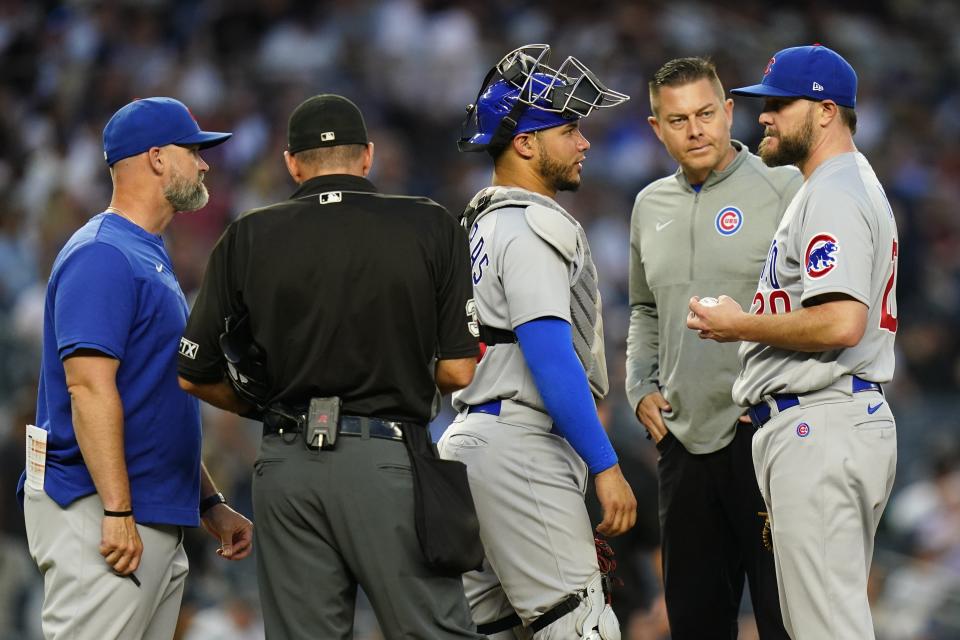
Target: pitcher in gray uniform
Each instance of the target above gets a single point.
(703, 230)
(817, 344)
(527, 427)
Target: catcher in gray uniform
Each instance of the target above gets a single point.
(703, 230)
(817, 343)
(527, 427)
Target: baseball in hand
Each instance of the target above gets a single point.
(709, 301)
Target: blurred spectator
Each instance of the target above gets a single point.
(237, 619)
(918, 595)
(19, 579)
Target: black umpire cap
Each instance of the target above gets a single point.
(326, 120)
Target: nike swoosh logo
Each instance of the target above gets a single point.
(159, 267)
(872, 409)
(663, 225)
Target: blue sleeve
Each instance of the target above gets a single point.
(547, 346)
(94, 301)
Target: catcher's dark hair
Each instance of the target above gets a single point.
(681, 71)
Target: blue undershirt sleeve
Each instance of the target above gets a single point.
(547, 346)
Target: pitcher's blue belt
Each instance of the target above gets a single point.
(492, 408)
(760, 413)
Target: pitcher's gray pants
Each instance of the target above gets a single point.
(825, 470)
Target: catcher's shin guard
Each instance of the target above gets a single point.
(592, 619)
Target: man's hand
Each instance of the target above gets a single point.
(617, 501)
(715, 322)
(120, 544)
(231, 529)
(649, 413)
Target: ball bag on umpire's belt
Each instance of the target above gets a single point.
(444, 513)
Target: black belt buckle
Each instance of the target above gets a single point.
(323, 423)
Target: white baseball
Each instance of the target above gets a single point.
(709, 301)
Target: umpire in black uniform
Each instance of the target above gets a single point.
(338, 299)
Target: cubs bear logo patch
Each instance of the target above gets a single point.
(820, 257)
(729, 220)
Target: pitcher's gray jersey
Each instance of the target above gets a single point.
(530, 260)
(837, 236)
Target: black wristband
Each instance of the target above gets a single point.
(211, 501)
(118, 514)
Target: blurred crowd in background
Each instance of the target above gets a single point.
(412, 66)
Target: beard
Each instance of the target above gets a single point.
(792, 149)
(186, 195)
(558, 174)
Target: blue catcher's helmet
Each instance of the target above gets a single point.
(501, 97)
(527, 95)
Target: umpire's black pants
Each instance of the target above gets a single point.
(327, 521)
(712, 538)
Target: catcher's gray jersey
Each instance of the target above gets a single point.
(530, 260)
(837, 236)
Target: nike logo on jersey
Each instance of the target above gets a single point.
(159, 267)
(663, 225)
(872, 409)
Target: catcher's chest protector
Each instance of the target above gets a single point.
(562, 231)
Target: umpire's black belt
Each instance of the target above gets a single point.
(349, 426)
(760, 413)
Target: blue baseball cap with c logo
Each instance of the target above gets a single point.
(154, 122)
(813, 72)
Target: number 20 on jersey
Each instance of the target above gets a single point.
(778, 301)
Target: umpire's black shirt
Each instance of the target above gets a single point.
(351, 293)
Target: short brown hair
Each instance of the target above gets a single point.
(342, 155)
(848, 117)
(681, 71)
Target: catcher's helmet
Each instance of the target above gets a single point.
(498, 101)
(529, 96)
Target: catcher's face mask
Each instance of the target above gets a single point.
(522, 94)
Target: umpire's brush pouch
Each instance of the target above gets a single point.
(445, 517)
